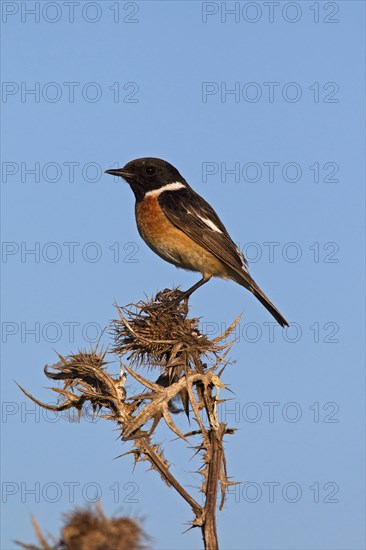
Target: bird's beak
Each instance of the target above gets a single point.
(117, 172)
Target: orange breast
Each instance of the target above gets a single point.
(171, 243)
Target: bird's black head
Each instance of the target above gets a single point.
(147, 174)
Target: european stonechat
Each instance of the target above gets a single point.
(183, 229)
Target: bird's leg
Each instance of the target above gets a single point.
(187, 293)
(184, 295)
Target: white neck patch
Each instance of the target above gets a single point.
(169, 187)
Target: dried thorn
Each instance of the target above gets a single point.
(40, 537)
(144, 381)
(64, 406)
(194, 432)
(172, 426)
(229, 330)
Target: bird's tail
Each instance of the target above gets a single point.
(251, 285)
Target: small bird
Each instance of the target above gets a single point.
(183, 229)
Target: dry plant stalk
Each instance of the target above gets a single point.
(158, 334)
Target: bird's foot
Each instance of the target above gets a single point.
(178, 299)
(169, 298)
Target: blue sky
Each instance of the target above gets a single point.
(262, 111)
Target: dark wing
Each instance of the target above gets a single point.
(196, 218)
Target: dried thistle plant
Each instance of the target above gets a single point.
(90, 529)
(159, 334)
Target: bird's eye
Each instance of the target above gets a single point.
(150, 170)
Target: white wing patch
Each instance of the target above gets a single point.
(214, 227)
(210, 224)
(169, 187)
(243, 264)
